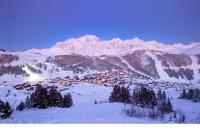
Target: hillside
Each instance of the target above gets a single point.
(144, 59)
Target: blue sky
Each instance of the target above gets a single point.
(26, 24)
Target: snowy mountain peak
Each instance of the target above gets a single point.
(92, 45)
(89, 39)
(137, 40)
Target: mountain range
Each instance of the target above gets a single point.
(89, 54)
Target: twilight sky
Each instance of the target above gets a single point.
(26, 24)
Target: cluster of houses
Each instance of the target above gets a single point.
(30, 86)
(26, 86)
(110, 78)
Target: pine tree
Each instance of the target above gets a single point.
(163, 96)
(159, 95)
(33, 102)
(165, 107)
(2, 105)
(162, 107)
(114, 95)
(28, 103)
(144, 97)
(174, 115)
(67, 101)
(39, 99)
(42, 99)
(21, 106)
(120, 94)
(7, 111)
(195, 97)
(124, 95)
(190, 94)
(183, 95)
(169, 107)
(55, 98)
(198, 96)
(153, 98)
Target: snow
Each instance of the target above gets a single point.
(144, 61)
(163, 75)
(93, 114)
(33, 77)
(193, 50)
(85, 111)
(27, 58)
(92, 45)
(11, 79)
(195, 68)
(131, 68)
(84, 95)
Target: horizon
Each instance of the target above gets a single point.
(109, 39)
(27, 24)
(104, 40)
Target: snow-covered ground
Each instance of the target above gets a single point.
(85, 111)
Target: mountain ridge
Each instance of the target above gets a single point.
(93, 46)
(88, 54)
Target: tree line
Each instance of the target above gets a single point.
(191, 94)
(43, 98)
(144, 98)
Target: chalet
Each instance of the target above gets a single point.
(19, 87)
(27, 85)
(64, 89)
(67, 77)
(52, 81)
(30, 89)
(98, 81)
(67, 84)
(34, 85)
(110, 81)
(62, 81)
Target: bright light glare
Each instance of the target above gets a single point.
(33, 77)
